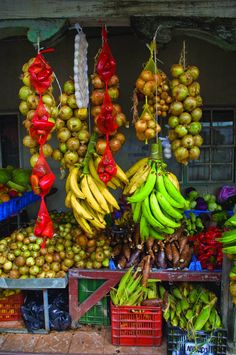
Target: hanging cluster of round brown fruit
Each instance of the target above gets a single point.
(151, 87)
(29, 102)
(155, 86)
(117, 139)
(185, 114)
(71, 129)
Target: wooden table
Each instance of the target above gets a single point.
(113, 277)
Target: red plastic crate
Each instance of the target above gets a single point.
(10, 307)
(136, 325)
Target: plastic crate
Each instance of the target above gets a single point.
(98, 314)
(10, 307)
(209, 343)
(136, 325)
(15, 205)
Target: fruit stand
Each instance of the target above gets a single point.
(142, 214)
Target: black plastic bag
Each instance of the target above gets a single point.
(33, 311)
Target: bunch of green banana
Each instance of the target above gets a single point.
(156, 202)
(192, 307)
(193, 224)
(89, 198)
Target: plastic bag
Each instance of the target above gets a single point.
(106, 120)
(43, 226)
(40, 124)
(40, 72)
(33, 311)
(106, 64)
(42, 177)
(107, 166)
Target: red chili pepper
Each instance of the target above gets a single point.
(46, 182)
(34, 180)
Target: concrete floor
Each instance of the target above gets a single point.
(86, 340)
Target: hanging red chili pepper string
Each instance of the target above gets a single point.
(106, 68)
(42, 178)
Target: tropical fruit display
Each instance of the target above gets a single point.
(71, 128)
(27, 107)
(185, 113)
(154, 195)
(13, 181)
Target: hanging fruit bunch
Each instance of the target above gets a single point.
(116, 139)
(71, 125)
(154, 195)
(71, 129)
(151, 88)
(42, 178)
(27, 107)
(185, 112)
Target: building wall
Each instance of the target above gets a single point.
(217, 79)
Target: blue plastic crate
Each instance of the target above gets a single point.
(15, 205)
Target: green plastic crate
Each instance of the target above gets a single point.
(98, 314)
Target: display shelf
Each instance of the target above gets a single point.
(113, 277)
(16, 205)
(34, 284)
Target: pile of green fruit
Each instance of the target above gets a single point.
(17, 180)
(193, 224)
(202, 202)
(21, 255)
(190, 307)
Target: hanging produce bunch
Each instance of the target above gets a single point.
(185, 112)
(71, 129)
(41, 125)
(152, 90)
(87, 195)
(98, 95)
(71, 125)
(157, 203)
(29, 103)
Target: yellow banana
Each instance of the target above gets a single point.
(173, 179)
(68, 199)
(67, 185)
(116, 182)
(120, 174)
(96, 216)
(97, 224)
(74, 183)
(137, 179)
(107, 195)
(132, 170)
(89, 196)
(76, 205)
(83, 224)
(97, 194)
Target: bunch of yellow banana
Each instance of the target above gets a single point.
(156, 201)
(89, 197)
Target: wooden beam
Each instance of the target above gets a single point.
(97, 11)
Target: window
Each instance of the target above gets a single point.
(216, 164)
(217, 160)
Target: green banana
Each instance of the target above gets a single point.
(158, 214)
(166, 206)
(146, 189)
(144, 230)
(230, 250)
(137, 212)
(231, 221)
(160, 186)
(154, 234)
(173, 192)
(149, 216)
